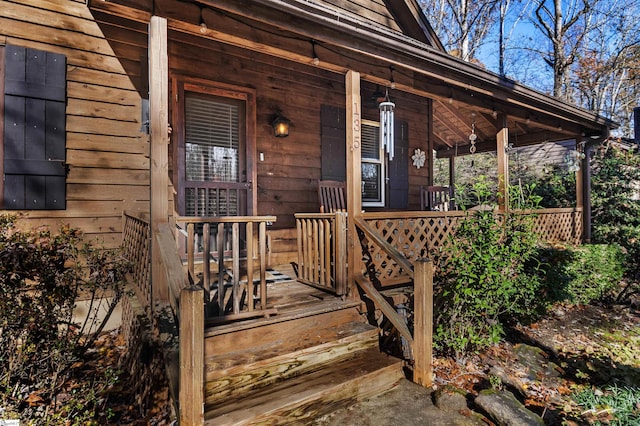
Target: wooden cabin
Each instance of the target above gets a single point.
(165, 112)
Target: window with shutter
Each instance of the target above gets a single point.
(34, 129)
(383, 183)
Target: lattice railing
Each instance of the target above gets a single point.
(136, 245)
(414, 234)
(558, 225)
(426, 234)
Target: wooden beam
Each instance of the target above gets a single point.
(191, 391)
(385, 307)
(503, 168)
(430, 142)
(423, 322)
(354, 177)
(159, 124)
(586, 197)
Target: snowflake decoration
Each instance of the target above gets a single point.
(418, 158)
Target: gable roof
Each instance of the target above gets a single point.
(404, 17)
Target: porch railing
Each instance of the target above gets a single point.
(136, 245)
(396, 246)
(186, 301)
(322, 250)
(555, 226)
(420, 272)
(224, 255)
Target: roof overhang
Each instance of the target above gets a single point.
(457, 87)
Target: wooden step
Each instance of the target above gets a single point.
(303, 398)
(295, 353)
(236, 338)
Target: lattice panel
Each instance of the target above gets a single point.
(413, 237)
(559, 227)
(417, 237)
(136, 244)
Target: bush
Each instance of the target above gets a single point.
(616, 208)
(484, 279)
(584, 274)
(41, 276)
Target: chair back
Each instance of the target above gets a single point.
(331, 196)
(436, 198)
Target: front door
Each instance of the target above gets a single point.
(214, 153)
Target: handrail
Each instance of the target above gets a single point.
(176, 278)
(187, 302)
(388, 248)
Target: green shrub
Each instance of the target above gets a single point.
(41, 276)
(584, 274)
(483, 277)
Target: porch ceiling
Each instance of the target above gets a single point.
(463, 93)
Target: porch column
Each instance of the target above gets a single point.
(579, 184)
(430, 156)
(585, 194)
(502, 139)
(354, 177)
(158, 124)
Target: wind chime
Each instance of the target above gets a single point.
(473, 138)
(387, 121)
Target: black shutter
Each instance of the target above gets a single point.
(334, 152)
(34, 129)
(399, 168)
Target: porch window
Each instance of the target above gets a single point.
(384, 183)
(373, 165)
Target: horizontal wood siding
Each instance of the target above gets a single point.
(287, 176)
(106, 152)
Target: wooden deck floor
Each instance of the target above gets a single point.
(291, 298)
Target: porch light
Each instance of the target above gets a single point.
(386, 124)
(280, 126)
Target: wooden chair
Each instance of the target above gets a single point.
(439, 198)
(331, 196)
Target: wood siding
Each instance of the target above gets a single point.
(106, 152)
(287, 178)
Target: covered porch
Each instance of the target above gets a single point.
(212, 232)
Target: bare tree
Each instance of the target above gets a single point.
(511, 13)
(565, 25)
(462, 25)
(606, 77)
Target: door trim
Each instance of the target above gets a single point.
(180, 84)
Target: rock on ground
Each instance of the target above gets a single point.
(406, 405)
(506, 410)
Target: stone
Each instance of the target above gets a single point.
(505, 410)
(450, 399)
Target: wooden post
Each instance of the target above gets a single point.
(430, 156)
(579, 192)
(341, 253)
(354, 177)
(502, 146)
(191, 393)
(452, 172)
(159, 124)
(423, 322)
(586, 195)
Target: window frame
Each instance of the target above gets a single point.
(382, 162)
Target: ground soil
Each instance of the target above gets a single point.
(582, 347)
